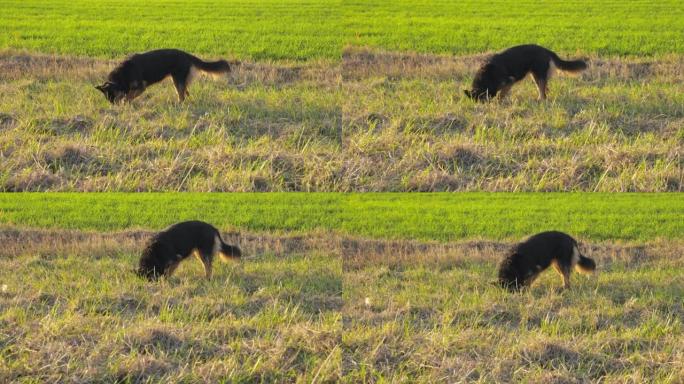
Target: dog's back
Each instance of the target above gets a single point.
(130, 78)
(526, 260)
(169, 247)
(504, 69)
(522, 59)
(188, 235)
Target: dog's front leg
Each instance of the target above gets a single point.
(503, 93)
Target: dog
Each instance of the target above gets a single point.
(168, 248)
(130, 78)
(525, 261)
(502, 70)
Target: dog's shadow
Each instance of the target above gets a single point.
(312, 292)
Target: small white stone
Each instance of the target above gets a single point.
(367, 301)
(4, 288)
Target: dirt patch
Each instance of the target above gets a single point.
(64, 126)
(15, 65)
(35, 180)
(361, 63)
(7, 121)
(359, 254)
(49, 244)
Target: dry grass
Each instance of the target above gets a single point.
(397, 311)
(266, 127)
(73, 311)
(380, 121)
(424, 312)
(407, 127)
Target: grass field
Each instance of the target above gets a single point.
(617, 127)
(440, 217)
(341, 96)
(420, 313)
(264, 128)
(606, 28)
(315, 300)
(79, 314)
(313, 109)
(292, 30)
(304, 30)
(379, 122)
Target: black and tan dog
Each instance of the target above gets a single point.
(501, 71)
(523, 264)
(130, 78)
(168, 248)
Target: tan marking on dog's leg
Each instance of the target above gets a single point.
(531, 279)
(541, 87)
(217, 246)
(171, 269)
(208, 269)
(565, 275)
(552, 70)
(503, 93)
(566, 279)
(181, 91)
(198, 256)
(218, 249)
(206, 262)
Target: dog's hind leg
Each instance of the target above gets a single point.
(181, 89)
(207, 267)
(541, 75)
(541, 86)
(564, 272)
(181, 80)
(206, 258)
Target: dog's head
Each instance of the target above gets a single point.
(149, 272)
(488, 81)
(113, 92)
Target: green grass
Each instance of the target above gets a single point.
(272, 29)
(441, 217)
(603, 27)
(303, 30)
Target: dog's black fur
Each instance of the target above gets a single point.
(502, 70)
(168, 248)
(130, 78)
(523, 264)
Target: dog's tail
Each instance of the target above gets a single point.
(585, 265)
(568, 66)
(228, 252)
(212, 67)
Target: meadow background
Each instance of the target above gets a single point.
(341, 96)
(310, 30)
(339, 287)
